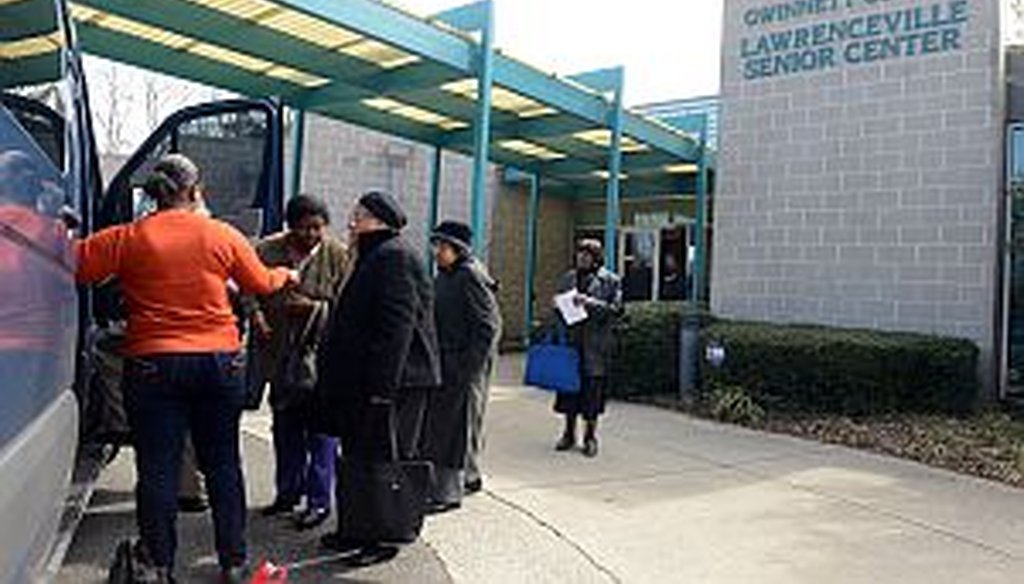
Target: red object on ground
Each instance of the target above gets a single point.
(268, 573)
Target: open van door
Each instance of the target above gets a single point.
(238, 147)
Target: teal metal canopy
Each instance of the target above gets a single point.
(377, 66)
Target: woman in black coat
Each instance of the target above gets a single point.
(381, 349)
(468, 324)
(599, 291)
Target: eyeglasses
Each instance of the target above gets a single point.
(359, 214)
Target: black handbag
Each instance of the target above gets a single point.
(255, 382)
(296, 374)
(384, 502)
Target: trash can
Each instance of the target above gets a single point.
(689, 356)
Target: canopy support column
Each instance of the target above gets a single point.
(613, 194)
(298, 145)
(482, 129)
(700, 229)
(435, 200)
(532, 212)
(610, 81)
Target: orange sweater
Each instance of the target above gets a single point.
(173, 267)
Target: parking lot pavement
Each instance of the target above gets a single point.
(111, 517)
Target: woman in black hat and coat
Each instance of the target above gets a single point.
(599, 291)
(468, 325)
(380, 356)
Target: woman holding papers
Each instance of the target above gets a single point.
(589, 300)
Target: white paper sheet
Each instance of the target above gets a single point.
(567, 307)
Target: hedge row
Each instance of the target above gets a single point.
(647, 349)
(800, 368)
(843, 371)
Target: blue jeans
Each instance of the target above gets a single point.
(304, 460)
(165, 396)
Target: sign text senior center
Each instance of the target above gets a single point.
(815, 35)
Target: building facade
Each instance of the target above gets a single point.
(861, 166)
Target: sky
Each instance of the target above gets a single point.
(669, 49)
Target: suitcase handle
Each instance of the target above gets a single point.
(392, 423)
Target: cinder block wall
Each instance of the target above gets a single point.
(342, 161)
(864, 194)
(508, 256)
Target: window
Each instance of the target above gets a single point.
(34, 108)
(37, 294)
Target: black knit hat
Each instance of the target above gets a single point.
(384, 207)
(457, 234)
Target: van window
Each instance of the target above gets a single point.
(37, 296)
(34, 93)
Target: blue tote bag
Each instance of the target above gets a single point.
(553, 364)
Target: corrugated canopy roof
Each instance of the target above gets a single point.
(377, 66)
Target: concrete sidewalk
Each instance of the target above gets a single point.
(670, 499)
(674, 499)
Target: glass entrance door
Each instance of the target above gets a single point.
(1014, 336)
(675, 265)
(656, 263)
(638, 264)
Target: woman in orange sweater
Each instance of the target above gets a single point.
(182, 371)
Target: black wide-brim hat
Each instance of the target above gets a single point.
(459, 235)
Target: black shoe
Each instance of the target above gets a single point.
(566, 442)
(590, 447)
(278, 507)
(234, 575)
(436, 508)
(473, 487)
(335, 542)
(312, 518)
(193, 504)
(371, 555)
(152, 575)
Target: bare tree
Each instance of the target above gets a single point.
(112, 119)
(131, 103)
(1015, 26)
(151, 96)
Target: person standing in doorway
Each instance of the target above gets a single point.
(599, 291)
(468, 325)
(673, 281)
(192, 496)
(183, 373)
(380, 357)
(288, 326)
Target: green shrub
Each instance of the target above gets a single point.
(647, 349)
(852, 372)
(734, 405)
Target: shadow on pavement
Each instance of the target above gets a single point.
(111, 517)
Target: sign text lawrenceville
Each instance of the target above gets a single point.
(874, 34)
